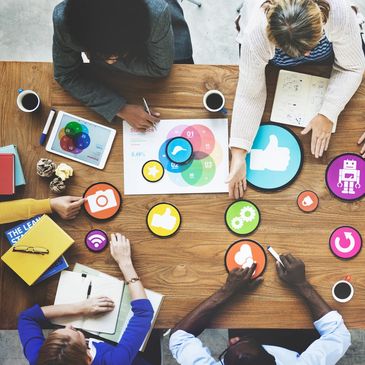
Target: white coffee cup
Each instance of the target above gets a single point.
(20, 101)
(218, 108)
(307, 201)
(349, 297)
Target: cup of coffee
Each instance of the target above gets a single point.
(214, 101)
(28, 101)
(342, 291)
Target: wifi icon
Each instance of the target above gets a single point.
(96, 240)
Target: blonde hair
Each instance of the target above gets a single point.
(59, 349)
(296, 26)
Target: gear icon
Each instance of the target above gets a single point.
(237, 222)
(247, 214)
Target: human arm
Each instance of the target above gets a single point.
(248, 106)
(238, 280)
(361, 140)
(67, 62)
(346, 76)
(139, 325)
(293, 274)
(67, 207)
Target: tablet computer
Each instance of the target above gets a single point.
(81, 140)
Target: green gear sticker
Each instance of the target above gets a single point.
(242, 217)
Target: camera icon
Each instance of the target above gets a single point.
(102, 200)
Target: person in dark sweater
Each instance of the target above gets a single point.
(68, 346)
(139, 37)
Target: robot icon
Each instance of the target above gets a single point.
(345, 177)
(349, 177)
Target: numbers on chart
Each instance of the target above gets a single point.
(174, 166)
(190, 134)
(208, 164)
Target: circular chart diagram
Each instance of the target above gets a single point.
(244, 253)
(207, 154)
(242, 217)
(74, 137)
(345, 242)
(345, 177)
(276, 158)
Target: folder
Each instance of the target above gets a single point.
(45, 235)
(7, 180)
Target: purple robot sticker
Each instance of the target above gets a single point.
(345, 177)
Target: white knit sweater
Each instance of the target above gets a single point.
(341, 29)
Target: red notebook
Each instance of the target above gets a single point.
(7, 177)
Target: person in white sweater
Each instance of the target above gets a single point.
(287, 33)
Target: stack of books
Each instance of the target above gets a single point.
(11, 172)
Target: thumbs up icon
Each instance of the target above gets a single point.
(166, 220)
(273, 157)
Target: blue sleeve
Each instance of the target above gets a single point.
(30, 324)
(134, 335)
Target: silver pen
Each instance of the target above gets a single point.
(148, 111)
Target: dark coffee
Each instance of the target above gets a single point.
(214, 101)
(342, 290)
(30, 101)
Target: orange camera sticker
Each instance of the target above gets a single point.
(103, 201)
(244, 253)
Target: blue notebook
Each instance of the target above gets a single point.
(19, 175)
(14, 234)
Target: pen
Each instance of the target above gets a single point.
(89, 290)
(47, 125)
(146, 106)
(275, 254)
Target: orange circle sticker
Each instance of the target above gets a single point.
(103, 201)
(244, 253)
(308, 201)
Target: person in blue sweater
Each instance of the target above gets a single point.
(68, 346)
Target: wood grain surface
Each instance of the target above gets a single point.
(189, 266)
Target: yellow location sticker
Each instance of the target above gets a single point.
(153, 171)
(163, 220)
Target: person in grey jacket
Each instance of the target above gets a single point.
(139, 37)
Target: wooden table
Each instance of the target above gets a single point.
(189, 266)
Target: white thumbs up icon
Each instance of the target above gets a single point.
(166, 220)
(273, 157)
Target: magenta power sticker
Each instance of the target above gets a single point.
(345, 176)
(96, 240)
(345, 242)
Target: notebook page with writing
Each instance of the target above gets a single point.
(298, 98)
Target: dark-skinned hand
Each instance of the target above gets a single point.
(293, 272)
(240, 280)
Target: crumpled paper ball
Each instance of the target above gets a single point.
(57, 185)
(64, 171)
(46, 167)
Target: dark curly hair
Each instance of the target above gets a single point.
(109, 27)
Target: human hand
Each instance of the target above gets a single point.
(237, 174)
(120, 249)
(361, 140)
(321, 128)
(293, 272)
(97, 305)
(67, 207)
(241, 280)
(138, 118)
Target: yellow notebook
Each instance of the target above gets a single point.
(44, 235)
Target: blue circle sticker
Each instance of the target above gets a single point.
(179, 150)
(276, 158)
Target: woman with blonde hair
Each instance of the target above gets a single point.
(67, 346)
(289, 33)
